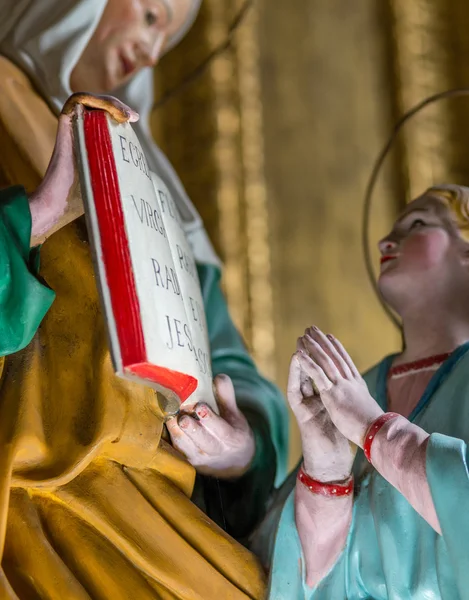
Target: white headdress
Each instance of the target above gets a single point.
(46, 38)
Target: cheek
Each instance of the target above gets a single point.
(425, 249)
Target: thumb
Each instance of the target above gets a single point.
(294, 395)
(226, 400)
(295, 385)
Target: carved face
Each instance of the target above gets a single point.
(131, 35)
(424, 253)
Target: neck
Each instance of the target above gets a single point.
(434, 330)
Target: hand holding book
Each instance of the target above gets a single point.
(131, 214)
(218, 445)
(57, 200)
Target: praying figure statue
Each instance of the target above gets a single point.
(101, 495)
(378, 506)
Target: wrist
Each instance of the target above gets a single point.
(332, 489)
(326, 474)
(367, 423)
(373, 429)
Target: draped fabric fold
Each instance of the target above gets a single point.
(93, 503)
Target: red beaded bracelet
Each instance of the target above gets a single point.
(373, 430)
(326, 489)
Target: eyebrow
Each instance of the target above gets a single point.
(414, 210)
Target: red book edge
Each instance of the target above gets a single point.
(117, 263)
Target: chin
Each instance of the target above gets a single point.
(399, 290)
(389, 279)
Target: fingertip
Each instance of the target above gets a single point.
(294, 362)
(222, 378)
(172, 425)
(223, 386)
(202, 411)
(184, 422)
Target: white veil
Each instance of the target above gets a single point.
(45, 38)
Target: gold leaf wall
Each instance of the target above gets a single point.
(275, 143)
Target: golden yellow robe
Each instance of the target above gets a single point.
(93, 503)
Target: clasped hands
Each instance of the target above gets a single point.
(331, 403)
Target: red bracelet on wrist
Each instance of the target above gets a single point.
(326, 489)
(373, 430)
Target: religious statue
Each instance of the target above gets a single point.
(97, 501)
(377, 507)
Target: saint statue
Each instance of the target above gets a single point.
(388, 520)
(96, 499)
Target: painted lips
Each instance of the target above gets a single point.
(127, 65)
(387, 258)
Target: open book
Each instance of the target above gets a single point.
(145, 269)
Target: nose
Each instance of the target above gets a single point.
(150, 50)
(387, 246)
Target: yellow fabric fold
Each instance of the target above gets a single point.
(93, 503)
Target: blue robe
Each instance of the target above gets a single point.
(391, 551)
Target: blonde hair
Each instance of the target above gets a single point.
(456, 198)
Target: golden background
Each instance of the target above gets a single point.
(276, 140)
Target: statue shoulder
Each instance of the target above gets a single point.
(27, 129)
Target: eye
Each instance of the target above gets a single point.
(417, 223)
(150, 18)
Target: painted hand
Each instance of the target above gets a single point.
(340, 386)
(327, 454)
(57, 200)
(119, 111)
(219, 445)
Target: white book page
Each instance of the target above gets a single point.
(157, 280)
(197, 340)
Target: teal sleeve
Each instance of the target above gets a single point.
(448, 477)
(24, 300)
(239, 505)
(254, 394)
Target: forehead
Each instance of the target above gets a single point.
(429, 203)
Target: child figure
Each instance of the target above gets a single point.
(391, 521)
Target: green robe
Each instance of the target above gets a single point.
(391, 551)
(24, 299)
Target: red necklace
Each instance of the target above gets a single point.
(423, 364)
